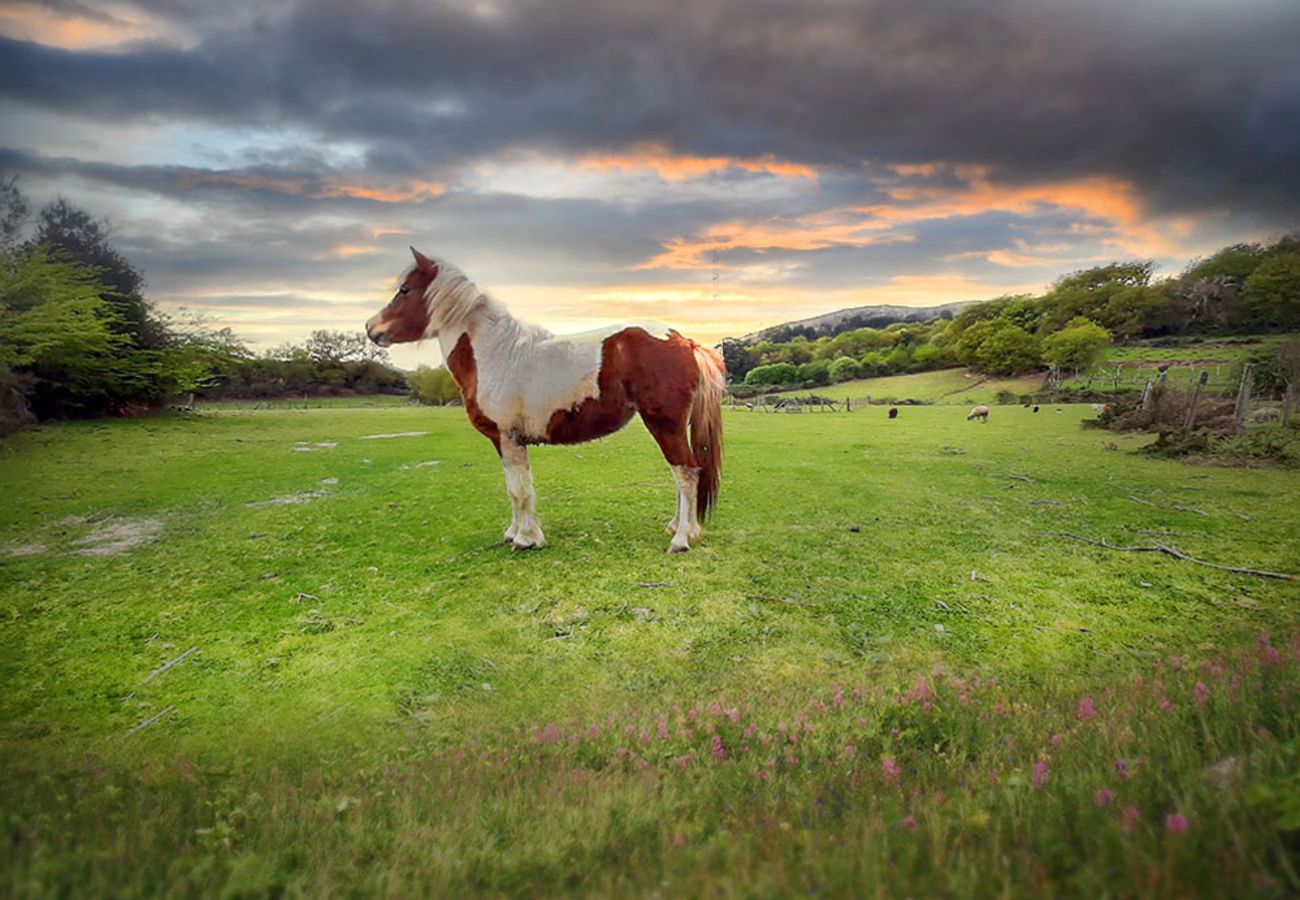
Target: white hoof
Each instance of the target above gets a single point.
(528, 538)
(676, 547)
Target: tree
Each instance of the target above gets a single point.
(13, 213)
(81, 238)
(845, 368)
(1271, 295)
(433, 387)
(1077, 346)
(777, 373)
(735, 357)
(57, 332)
(1008, 350)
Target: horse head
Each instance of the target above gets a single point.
(407, 316)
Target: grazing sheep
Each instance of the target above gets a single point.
(1267, 414)
(893, 412)
(979, 412)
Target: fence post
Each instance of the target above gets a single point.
(1288, 403)
(1196, 396)
(1243, 397)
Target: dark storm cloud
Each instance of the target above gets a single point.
(1197, 101)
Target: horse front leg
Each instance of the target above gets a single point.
(525, 532)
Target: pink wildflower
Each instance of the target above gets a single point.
(682, 761)
(1103, 797)
(1040, 775)
(908, 823)
(715, 709)
(1201, 692)
(848, 751)
(1129, 818)
(693, 714)
(1165, 705)
(734, 715)
(1273, 656)
(548, 734)
(1087, 710)
(662, 729)
(1122, 769)
(1055, 741)
(790, 760)
(593, 731)
(890, 770)
(1176, 823)
(718, 751)
(837, 697)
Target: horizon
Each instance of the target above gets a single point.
(268, 166)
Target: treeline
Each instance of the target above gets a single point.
(1242, 289)
(329, 363)
(78, 337)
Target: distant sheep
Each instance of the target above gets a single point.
(979, 412)
(1267, 414)
(893, 412)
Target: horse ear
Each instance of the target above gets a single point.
(423, 262)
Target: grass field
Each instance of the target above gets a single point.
(954, 387)
(880, 673)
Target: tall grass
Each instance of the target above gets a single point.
(1176, 778)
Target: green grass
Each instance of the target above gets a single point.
(955, 387)
(360, 651)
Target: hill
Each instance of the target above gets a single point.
(832, 323)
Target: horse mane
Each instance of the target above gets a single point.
(454, 300)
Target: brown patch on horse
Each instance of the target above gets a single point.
(406, 317)
(638, 373)
(463, 368)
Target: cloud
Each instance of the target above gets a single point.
(822, 151)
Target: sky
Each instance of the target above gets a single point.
(718, 165)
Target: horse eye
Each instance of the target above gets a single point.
(403, 289)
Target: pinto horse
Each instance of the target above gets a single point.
(523, 385)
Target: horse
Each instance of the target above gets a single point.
(522, 385)
(979, 412)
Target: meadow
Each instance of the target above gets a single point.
(261, 653)
(954, 387)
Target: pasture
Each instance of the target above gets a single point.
(265, 652)
(942, 386)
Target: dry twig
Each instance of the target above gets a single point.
(1175, 553)
(165, 666)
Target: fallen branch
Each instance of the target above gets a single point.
(151, 720)
(1143, 502)
(163, 668)
(1175, 553)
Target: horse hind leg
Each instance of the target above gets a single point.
(671, 437)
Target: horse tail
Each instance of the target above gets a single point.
(706, 426)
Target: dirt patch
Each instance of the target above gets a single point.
(288, 499)
(114, 536)
(27, 550)
(395, 434)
